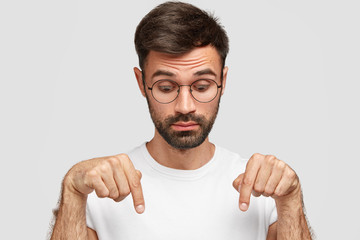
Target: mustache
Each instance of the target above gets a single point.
(185, 118)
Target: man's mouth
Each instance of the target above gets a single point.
(185, 126)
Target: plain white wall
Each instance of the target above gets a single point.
(68, 93)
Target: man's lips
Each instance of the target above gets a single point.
(185, 126)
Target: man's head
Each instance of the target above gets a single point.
(176, 28)
(180, 45)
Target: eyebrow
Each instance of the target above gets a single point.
(206, 71)
(162, 73)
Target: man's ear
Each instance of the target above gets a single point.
(139, 75)
(225, 71)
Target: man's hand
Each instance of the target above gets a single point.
(114, 177)
(268, 176)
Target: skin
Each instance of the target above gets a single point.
(115, 176)
(183, 68)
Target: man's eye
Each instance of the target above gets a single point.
(201, 87)
(166, 88)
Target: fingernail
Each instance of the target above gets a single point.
(140, 209)
(243, 207)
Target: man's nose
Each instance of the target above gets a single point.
(185, 103)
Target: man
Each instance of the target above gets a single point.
(180, 176)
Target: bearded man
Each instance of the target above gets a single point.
(185, 181)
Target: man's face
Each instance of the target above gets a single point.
(183, 123)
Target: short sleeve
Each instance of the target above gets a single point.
(89, 217)
(271, 211)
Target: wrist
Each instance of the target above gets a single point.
(69, 193)
(292, 201)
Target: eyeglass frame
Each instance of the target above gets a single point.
(179, 86)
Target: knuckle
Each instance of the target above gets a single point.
(123, 157)
(113, 161)
(119, 199)
(256, 193)
(102, 193)
(104, 167)
(280, 164)
(258, 156)
(267, 192)
(270, 158)
(114, 194)
(125, 192)
(123, 160)
(258, 188)
(247, 181)
(278, 192)
(90, 178)
(291, 174)
(91, 174)
(135, 183)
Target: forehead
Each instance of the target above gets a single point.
(197, 59)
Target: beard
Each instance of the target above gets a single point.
(183, 139)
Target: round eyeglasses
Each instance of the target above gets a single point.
(166, 91)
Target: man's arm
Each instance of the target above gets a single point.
(78, 219)
(289, 226)
(92, 234)
(114, 177)
(292, 222)
(269, 176)
(271, 235)
(71, 216)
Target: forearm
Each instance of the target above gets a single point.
(71, 217)
(292, 222)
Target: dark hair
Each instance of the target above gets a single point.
(176, 28)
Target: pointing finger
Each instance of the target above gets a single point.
(136, 192)
(247, 184)
(133, 178)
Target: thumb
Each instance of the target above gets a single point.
(139, 173)
(238, 181)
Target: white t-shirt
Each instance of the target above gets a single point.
(183, 204)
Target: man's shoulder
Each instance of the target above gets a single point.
(138, 153)
(229, 154)
(230, 158)
(137, 149)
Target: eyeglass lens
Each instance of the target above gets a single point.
(166, 91)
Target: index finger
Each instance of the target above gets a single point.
(133, 178)
(247, 183)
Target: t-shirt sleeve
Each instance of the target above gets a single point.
(89, 217)
(271, 211)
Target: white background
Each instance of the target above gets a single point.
(68, 93)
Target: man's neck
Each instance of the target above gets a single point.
(185, 159)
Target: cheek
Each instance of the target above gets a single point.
(206, 110)
(212, 106)
(160, 110)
